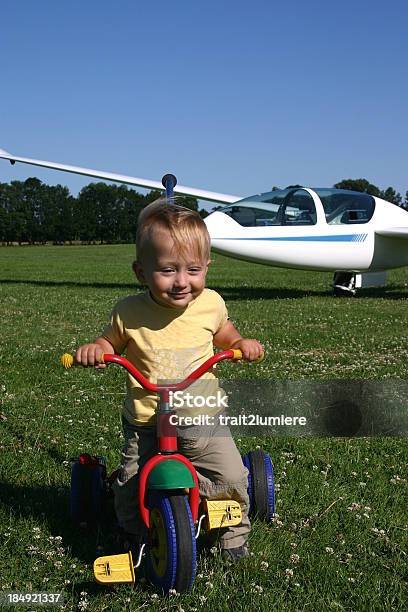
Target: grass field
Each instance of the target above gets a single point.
(339, 540)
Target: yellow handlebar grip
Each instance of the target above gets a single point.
(67, 361)
(238, 355)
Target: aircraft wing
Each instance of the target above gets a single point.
(201, 194)
(394, 232)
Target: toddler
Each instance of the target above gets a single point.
(167, 332)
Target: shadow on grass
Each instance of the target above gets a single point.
(229, 293)
(393, 292)
(50, 505)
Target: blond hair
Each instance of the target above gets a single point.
(186, 227)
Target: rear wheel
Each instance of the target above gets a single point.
(261, 488)
(171, 544)
(87, 496)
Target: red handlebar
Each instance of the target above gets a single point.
(68, 361)
(228, 354)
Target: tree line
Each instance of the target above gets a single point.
(34, 213)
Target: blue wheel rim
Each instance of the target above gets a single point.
(270, 485)
(245, 461)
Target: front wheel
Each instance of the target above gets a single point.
(171, 544)
(261, 489)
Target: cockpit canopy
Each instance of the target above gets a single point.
(296, 206)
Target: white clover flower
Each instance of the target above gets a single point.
(289, 572)
(329, 550)
(264, 565)
(294, 558)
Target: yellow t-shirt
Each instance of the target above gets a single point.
(164, 343)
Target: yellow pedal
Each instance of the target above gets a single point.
(222, 513)
(114, 569)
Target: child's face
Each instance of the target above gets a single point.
(173, 280)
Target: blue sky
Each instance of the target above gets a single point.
(231, 96)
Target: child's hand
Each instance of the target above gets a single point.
(90, 355)
(251, 349)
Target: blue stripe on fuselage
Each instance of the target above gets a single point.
(338, 238)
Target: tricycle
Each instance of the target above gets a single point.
(168, 497)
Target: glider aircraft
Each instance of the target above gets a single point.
(355, 235)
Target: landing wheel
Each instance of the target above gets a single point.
(261, 488)
(344, 284)
(171, 544)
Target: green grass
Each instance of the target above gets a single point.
(340, 540)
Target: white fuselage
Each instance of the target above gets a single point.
(322, 246)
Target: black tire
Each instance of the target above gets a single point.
(260, 484)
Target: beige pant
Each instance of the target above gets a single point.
(212, 451)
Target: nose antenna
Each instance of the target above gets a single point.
(169, 181)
